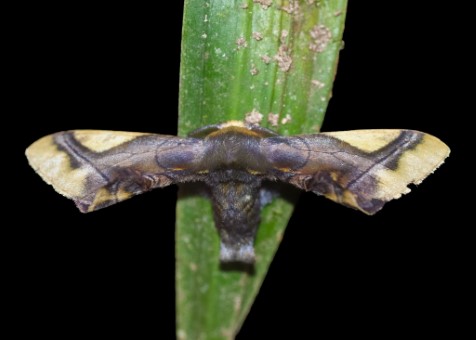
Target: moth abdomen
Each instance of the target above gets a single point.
(236, 207)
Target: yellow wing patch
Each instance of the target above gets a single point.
(99, 141)
(54, 164)
(366, 140)
(104, 197)
(414, 165)
(54, 167)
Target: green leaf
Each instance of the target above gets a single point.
(242, 59)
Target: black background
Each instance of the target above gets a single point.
(112, 272)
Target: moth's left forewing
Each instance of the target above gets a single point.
(362, 169)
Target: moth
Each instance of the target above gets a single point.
(361, 169)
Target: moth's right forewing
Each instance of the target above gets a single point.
(362, 169)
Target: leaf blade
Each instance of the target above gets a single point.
(236, 60)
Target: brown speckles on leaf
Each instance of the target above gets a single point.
(286, 119)
(266, 59)
(273, 119)
(283, 58)
(265, 4)
(320, 37)
(292, 7)
(241, 43)
(244, 5)
(237, 302)
(257, 36)
(228, 333)
(254, 71)
(181, 334)
(337, 13)
(253, 117)
(284, 36)
(317, 83)
(316, 128)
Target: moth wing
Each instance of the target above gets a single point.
(362, 169)
(100, 168)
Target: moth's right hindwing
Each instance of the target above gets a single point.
(100, 168)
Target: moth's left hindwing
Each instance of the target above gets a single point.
(100, 168)
(362, 169)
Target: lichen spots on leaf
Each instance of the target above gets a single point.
(283, 58)
(292, 7)
(254, 71)
(273, 119)
(286, 119)
(316, 128)
(320, 38)
(241, 43)
(181, 334)
(318, 84)
(284, 36)
(237, 303)
(253, 117)
(257, 36)
(193, 267)
(265, 4)
(266, 59)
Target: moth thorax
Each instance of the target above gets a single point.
(234, 150)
